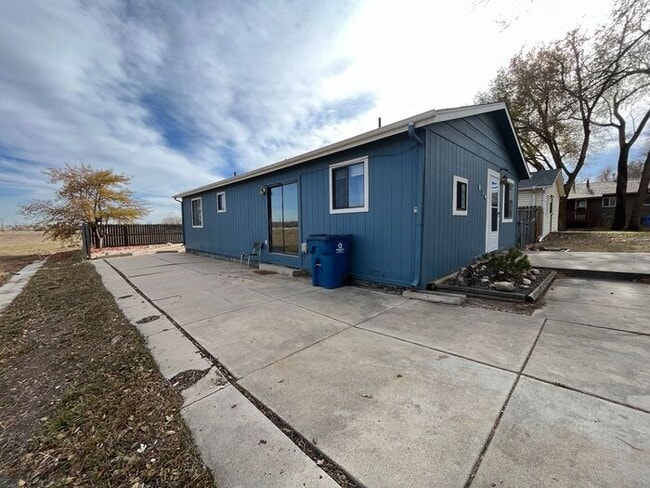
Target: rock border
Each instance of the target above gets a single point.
(501, 295)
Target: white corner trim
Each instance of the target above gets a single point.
(503, 203)
(224, 202)
(200, 199)
(454, 210)
(366, 186)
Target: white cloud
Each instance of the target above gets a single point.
(177, 94)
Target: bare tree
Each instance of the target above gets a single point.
(635, 168)
(556, 92)
(606, 174)
(623, 50)
(635, 216)
(171, 221)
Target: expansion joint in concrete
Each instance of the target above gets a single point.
(488, 441)
(324, 462)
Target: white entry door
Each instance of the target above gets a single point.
(492, 214)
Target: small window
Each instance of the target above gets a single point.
(609, 201)
(550, 205)
(349, 186)
(581, 203)
(197, 212)
(508, 200)
(460, 196)
(221, 201)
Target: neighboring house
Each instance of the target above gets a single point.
(592, 204)
(421, 197)
(543, 189)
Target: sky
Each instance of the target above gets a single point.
(181, 94)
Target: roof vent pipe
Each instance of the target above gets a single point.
(412, 133)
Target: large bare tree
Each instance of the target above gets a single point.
(85, 195)
(623, 54)
(555, 92)
(635, 214)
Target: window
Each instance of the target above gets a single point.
(221, 201)
(283, 213)
(508, 200)
(197, 212)
(609, 201)
(349, 186)
(581, 203)
(550, 204)
(646, 202)
(460, 196)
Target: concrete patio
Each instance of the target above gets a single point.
(398, 392)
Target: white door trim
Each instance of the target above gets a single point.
(491, 237)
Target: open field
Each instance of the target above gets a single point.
(19, 248)
(82, 402)
(599, 241)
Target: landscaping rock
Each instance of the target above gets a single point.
(485, 279)
(526, 281)
(525, 287)
(534, 271)
(504, 286)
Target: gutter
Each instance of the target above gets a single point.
(182, 218)
(419, 210)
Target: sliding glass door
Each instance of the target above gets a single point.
(283, 211)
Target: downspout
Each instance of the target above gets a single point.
(182, 219)
(419, 210)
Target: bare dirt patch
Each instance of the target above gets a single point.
(597, 241)
(81, 400)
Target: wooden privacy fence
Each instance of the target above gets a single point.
(529, 225)
(120, 235)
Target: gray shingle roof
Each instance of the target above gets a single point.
(540, 179)
(599, 188)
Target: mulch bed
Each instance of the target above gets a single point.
(82, 402)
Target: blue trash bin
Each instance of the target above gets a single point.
(645, 222)
(330, 259)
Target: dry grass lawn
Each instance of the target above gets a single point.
(19, 248)
(599, 241)
(82, 402)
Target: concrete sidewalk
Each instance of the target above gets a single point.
(632, 263)
(398, 392)
(12, 288)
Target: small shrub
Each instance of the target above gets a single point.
(512, 262)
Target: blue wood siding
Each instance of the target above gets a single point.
(383, 245)
(392, 243)
(466, 148)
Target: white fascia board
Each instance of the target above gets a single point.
(389, 130)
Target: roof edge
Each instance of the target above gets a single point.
(389, 130)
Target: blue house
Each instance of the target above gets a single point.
(421, 198)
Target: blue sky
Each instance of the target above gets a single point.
(179, 94)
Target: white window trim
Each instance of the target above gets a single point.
(224, 202)
(454, 210)
(609, 199)
(192, 212)
(503, 204)
(576, 206)
(366, 196)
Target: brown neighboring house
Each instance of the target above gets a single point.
(591, 205)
